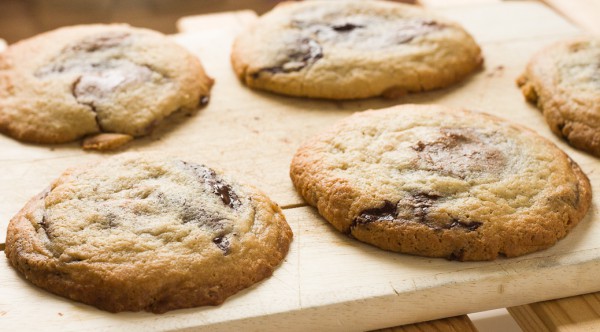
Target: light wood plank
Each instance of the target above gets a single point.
(229, 20)
(451, 324)
(571, 314)
(328, 281)
(584, 13)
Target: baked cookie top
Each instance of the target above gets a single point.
(440, 182)
(83, 80)
(352, 49)
(563, 80)
(135, 233)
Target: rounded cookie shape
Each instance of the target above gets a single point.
(563, 80)
(113, 81)
(134, 233)
(352, 49)
(440, 182)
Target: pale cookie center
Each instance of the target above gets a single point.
(150, 210)
(100, 72)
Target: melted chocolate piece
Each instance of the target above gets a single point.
(223, 243)
(204, 100)
(217, 185)
(101, 42)
(467, 226)
(347, 27)
(197, 215)
(44, 223)
(413, 208)
(457, 255)
(420, 204)
(304, 54)
(461, 153)
(112, 221)
(413, 28)
(385, 213)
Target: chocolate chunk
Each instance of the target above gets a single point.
(420, 204)
(44, 222)
(385, 213)
(223, 243)
(204, 100)
(461, 153)
(412, 28)
(347, 27)
(457, 255)
(100, 42)
(467, 226)
(306, 52)
(112, 220)
(216, 184)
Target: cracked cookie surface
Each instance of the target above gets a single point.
(136, 233)
(563, 80)
(441, 182)
(109, 82)
(352, 49)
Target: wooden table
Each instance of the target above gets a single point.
(328, 281)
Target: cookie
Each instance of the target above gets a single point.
(352, 49)
(135, 233)
(563, 80)
(92, 80)
(440, 182)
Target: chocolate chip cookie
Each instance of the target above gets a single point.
(134, 233)
(563, 80)
(352, 49)
(439, 182)
(108, 83)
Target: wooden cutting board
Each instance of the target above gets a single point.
(328, 281)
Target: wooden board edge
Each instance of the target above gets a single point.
(451, 324)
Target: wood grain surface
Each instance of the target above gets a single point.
(452, 324)
(573, 314)
(583, 13)
(328, 281)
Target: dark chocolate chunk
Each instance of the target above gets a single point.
(412, 28)
(223, 243)
(461, 153)
(347, 27)
(100, 42)
(420, 204)
(385, 213)
(457, 255)
(467, 226)
(204, 100)
(217, 185)
(306, 52)
(44, 222)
